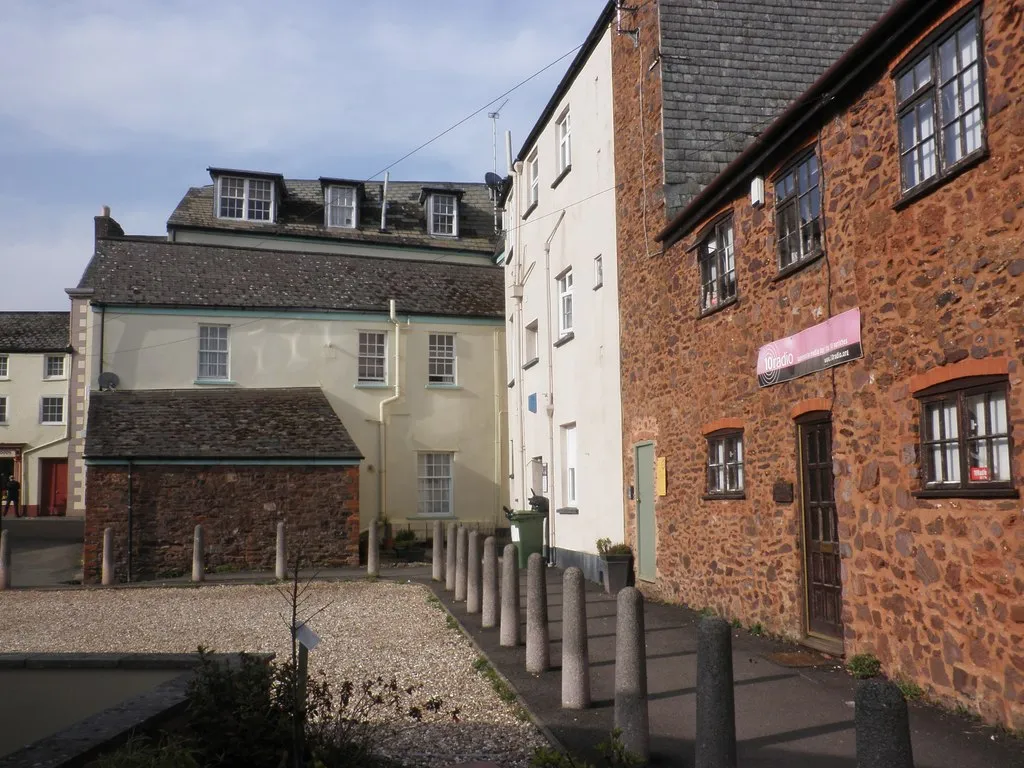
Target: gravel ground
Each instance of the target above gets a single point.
(369, 629)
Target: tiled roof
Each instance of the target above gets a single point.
(301, 214)
(729, 67)
(144, 272)
(34, 331)
(216, 424)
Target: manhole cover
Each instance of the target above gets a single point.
(797, 658)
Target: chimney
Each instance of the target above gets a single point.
(105, 226)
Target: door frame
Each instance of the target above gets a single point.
(828, 643)
(47, 484)
(654, 500)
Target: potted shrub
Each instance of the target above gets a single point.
(618, 564)
(406, 546)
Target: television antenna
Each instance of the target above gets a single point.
(494, 134)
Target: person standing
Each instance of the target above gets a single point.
(13, 497)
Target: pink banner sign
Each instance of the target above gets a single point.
(834, 342)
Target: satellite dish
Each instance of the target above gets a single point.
(492, 180)
(109, 380)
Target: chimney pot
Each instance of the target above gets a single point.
(105, 211)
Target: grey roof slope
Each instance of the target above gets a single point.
(729, 67)
(301, 214)
(143, 272)
(35, 331)
(216, 424)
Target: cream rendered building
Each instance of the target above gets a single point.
(267, 283)
(562, 312)
(35, 358)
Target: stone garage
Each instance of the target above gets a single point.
(238, 461)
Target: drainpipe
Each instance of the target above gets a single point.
(382, 456)
(551, 386)
(130, 510)
(519, 258)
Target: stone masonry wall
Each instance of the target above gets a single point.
(239, 508)
(933, 587)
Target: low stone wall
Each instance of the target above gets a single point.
(239, 508)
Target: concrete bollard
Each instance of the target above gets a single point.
(449, 559)
(281, 554)
(489, 619)
(538, 646)
(5, 561)
(198, 555)
(373, 551)
(473, 573)
(575, 654)
(882, 726)
(716, 712)
(509, 633)
(461, 544)
(107, 574)
(437, 561)
(631, 673)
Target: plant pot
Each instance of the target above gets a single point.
(618, 572)
(410, 553)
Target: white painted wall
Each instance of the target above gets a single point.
(580, 379)
(24, 388)
(148, 349)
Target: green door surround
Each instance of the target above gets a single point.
(643, 455)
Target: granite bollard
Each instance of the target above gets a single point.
(198, 555)
(107, 573)
(716, 714)
(489, 619)
(281, 558)
(373, 551)
(575, 654)
(631, 673)
(449, 562)
(461, 544)
(5, 560)
(509, 632)
(473, 573)
(538, 645)
(882, 726)
(437, 560)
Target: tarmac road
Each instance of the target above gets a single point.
(45, 551)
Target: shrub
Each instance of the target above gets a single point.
(757, 630)
(605, 547)
(909, 688)
(141, 752)
(864, 665)
(613, 755)
(405, 536)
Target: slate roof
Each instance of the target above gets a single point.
(300, 213)
(35, 331)
(729, 67)
(144, 272)
(216, 424)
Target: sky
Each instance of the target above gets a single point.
(126, 103)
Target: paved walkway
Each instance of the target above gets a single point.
(788, 714)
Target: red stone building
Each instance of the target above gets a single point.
(862, 494)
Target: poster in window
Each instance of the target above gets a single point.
(980, 475)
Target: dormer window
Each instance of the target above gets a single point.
(245, 199)
(341, 206)
(443, 214)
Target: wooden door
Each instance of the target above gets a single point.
(54, 486)
(645, 549)
(822, 571)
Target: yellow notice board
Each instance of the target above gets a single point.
(659, 477)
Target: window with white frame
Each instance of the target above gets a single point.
(434, 481)
(598, 271)
(51, 410)
(4, 370)
(443, 214)
(245, 199)
(530, 344)
(533, 167)
(564, 131)
(441, 359)
(373, 357)
(341, 206)
(565, 303)
(570, 456)
(54, 367)
(213, 352)
(725, 463)
(3, 409)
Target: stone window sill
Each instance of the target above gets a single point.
(215, 383)
(442, 386)
(718, 308)
(530, 363)
(565, 339)
(562, 175)
(927, 187)
(371, 385)
(528, 211)
(966, 493)
(794, 268)
(724, 496)
(567, 511)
